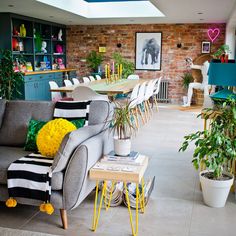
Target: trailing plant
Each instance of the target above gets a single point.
(94, 60)
(221, 50)
(187, 79)
(121, 121)
(216, 146)
(127, 66)
(10, 81)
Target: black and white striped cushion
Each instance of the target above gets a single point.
(30, 177)
(72, 110)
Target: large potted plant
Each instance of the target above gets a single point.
(123, 128)
(10, 81)
(187, 79)
(94, 60)
(128, 67)
(215, 148)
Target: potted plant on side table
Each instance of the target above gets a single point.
(123, 128)
(215, 148)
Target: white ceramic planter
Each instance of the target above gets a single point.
(122, 147)
(215, 192)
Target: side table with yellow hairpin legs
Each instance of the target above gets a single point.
(118, 173)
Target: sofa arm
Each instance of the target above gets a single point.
(70, 142)
(76, 184)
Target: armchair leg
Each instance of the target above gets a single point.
(64, 218)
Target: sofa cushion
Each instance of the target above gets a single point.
(10, 154)
(16, 119)
(2, 109)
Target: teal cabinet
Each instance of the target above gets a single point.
(36, 86)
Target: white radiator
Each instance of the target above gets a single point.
(163, 92)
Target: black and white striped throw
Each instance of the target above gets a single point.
(30, 177)
(72, 110)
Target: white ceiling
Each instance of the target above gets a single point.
(176, 11)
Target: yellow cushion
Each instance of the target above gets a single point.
(51, 135)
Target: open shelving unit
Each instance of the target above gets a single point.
(36, 84)
(47, 31)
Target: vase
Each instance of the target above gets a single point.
(22, 30)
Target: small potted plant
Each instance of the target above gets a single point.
(94, 60)
(222, 53)
(215, 148)
(187, 79)
(123, 128)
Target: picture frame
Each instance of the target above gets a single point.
(206, 47)
(148, 50)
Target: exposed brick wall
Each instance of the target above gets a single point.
(82, 39)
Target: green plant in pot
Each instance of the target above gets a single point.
(94, 60)
(222, 50)
(187, 79)
(122, 127)
(215, 148)
(10, 81)
(127, 66)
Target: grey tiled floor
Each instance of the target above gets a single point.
(175, 207)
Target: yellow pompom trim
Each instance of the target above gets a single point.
(42, 207)
(11, 202)
(46, 207)
(51, 135)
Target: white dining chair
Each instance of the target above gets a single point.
(86, 80)
(156, 92)
(133, 76)
(91, 78)
(75, 81)
(55, 96)
(140, 101)
(133, 104)
(68, 83)
(98, 77)
(148, 94)
(82, 93)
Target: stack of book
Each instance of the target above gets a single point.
(134, 158)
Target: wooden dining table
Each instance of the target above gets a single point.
(123, 86)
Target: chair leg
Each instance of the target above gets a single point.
(135, 118)
(146, 111)
(150, 107)
(141, 114)
(155, 100)
(64, 218)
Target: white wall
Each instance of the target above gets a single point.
(230, 39)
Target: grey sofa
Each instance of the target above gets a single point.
(79, 150)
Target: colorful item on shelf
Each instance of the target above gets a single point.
(15, 44)
(60, 35)
(22, 30)
(59, 48)
(29, 67)
(44, 46)
(38, 42)
(213, 34)
(43, 65)
(15, 31)
(61, 66)
(21, 46)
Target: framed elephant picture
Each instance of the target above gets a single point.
(148, 51)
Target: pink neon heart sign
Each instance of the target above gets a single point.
(213, 34)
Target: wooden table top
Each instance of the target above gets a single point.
(120, 87)
(118, 172)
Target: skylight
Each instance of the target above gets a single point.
(107, 8)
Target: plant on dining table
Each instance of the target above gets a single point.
(128, 67)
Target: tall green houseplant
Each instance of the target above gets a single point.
(127, 66)
(10, 81)
(94, 60)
